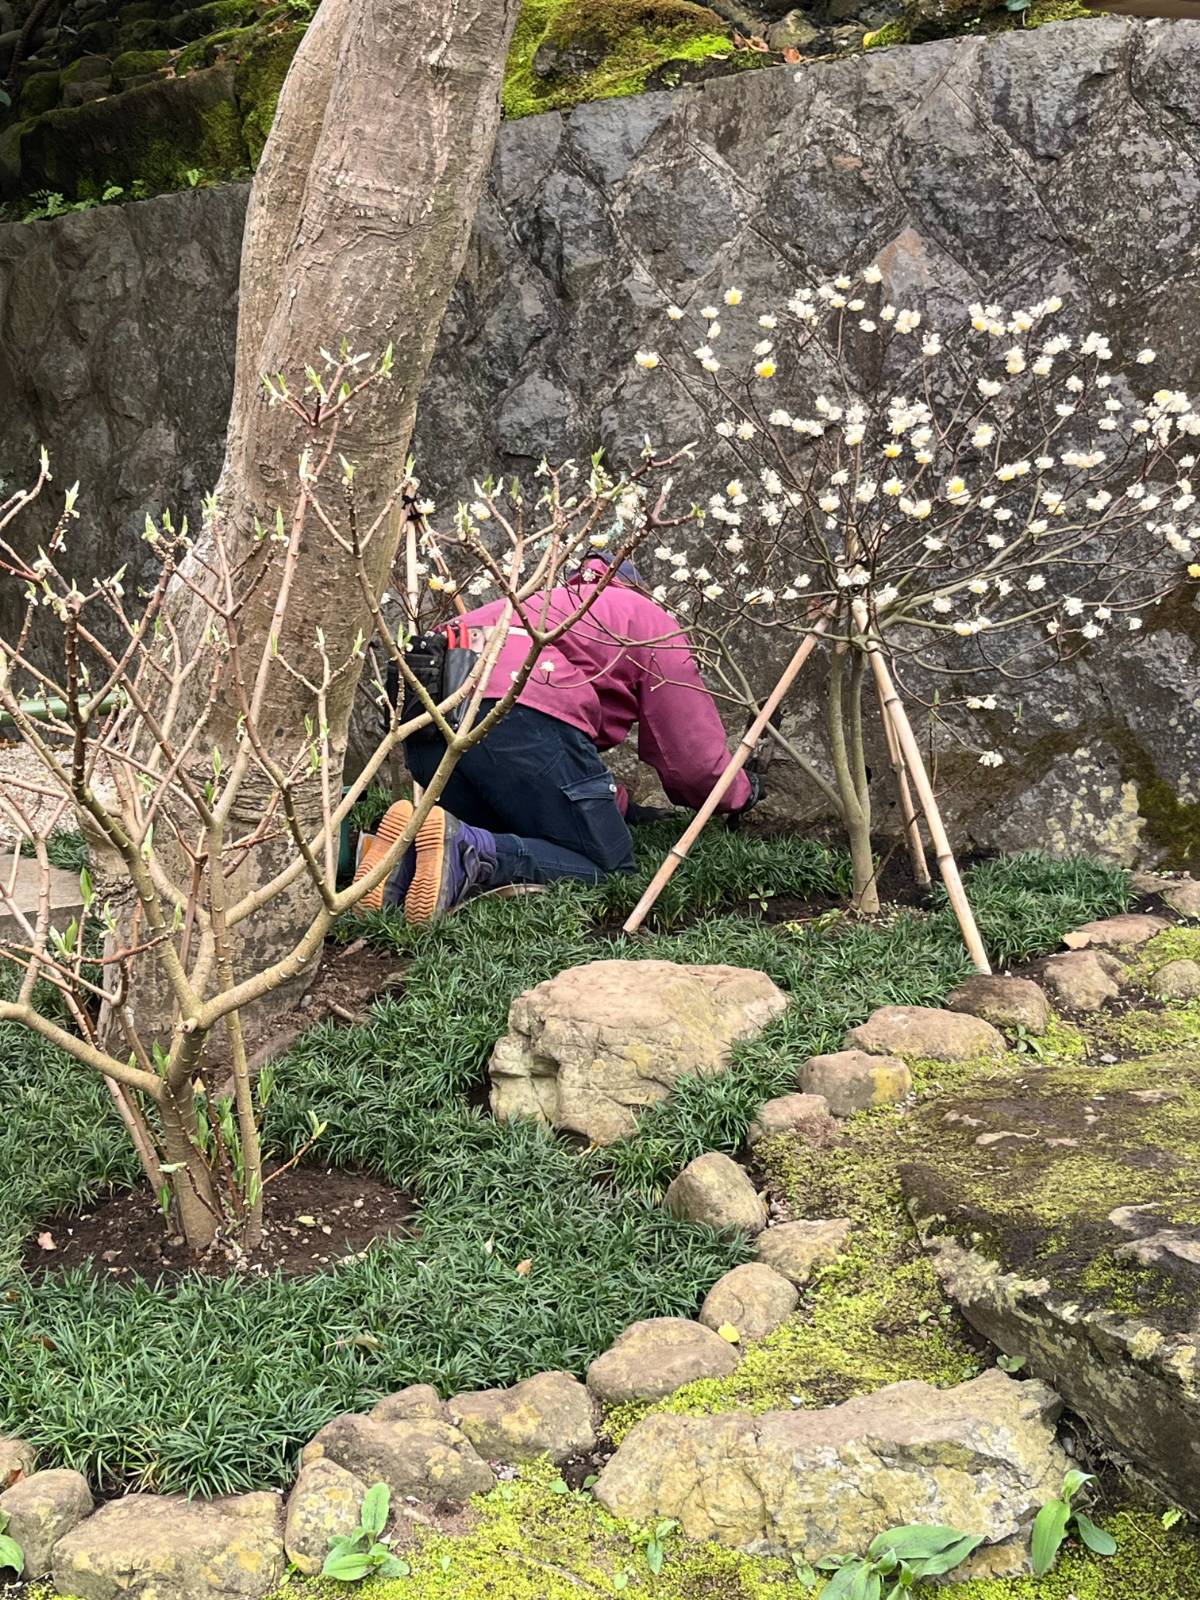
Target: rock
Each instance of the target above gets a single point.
(925, 1033)
(1131, 928)
(422, 1457)
(795, 1248)
(325, 1501)
(810, 1484)
(1004, 1002)
(549, 1415)
(714, 1190)
(40, 1510)
(804, 1115)
(1183, 897)
(1072, 1242)
(753, 1298)
(591, 1048)
(421, 1401)
(1177, 980)
(66, 901)
(1084, 979)
(792, 32)
(174, 1549)
(852, 1080)
(571, 58)
(16, 1460)
(652, 1359)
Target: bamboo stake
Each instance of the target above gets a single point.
(910, 751)
(678, 851)
(411, 591)
(912, 828)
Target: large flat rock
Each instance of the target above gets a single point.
(981, 1457)
(1062, 1205)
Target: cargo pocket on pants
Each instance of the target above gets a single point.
(601, 832)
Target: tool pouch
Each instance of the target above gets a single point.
(442, 662)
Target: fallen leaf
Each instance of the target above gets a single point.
(524, 1268)
(15, 1476)
(791, 54)
(307, 1222)
(46, 1241)
(1077, 941)
(729, 1333)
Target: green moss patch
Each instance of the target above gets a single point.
(567, 51)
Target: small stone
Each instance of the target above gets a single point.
(794, 1249)
(1131, 928)
(326, 1501)
(792, 32)
(16, 1460)
(804, 1115)
(422, 1458)
(1083, 979)
(1004, 1002)
(652, 1359)
(714, 1190)
(550, 1415)
(39, 1510)
(852, 1080)
(1183, 897)
(1177, 980)
(419, 1402)
(174, 1549)
(925, 1033)
(753, 1298)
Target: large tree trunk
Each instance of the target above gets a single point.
(357, 228)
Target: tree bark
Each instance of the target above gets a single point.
(357, 227)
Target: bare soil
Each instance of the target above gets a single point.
(314, 1217)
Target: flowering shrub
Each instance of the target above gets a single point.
(983, 503)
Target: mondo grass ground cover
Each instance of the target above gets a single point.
(210, 1386)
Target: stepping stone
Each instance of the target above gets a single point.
(39, 1510)
(714, 1190)
(1183, 897)
(1084, 979)
(852, 1080)
(806, 1116)
(1004, 1002)
(174, 1549)
(812, 1484)
(1131, 928)
(754, 1299)
(66, 901)
(925, 1033)
(794, 1249)
(550, 1415)
(652, 1359)
(326, 1501)
(1177, 980)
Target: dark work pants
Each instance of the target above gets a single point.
(540, 787)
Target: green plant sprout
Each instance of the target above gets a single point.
(895, 1562)
(1056, 1519)
(11, 1554)
(362, 1554)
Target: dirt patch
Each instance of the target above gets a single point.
(313, 1218)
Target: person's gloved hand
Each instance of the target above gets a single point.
(758, 790)
(641, 816)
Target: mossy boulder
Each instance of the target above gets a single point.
(259, 78)
(1062, 1206)
(40, 92)
(584, 32)
(151, 136)
(134, 64)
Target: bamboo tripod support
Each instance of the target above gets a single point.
(907, 764)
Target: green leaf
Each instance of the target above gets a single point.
(1049, 1531)
(916, 1541)
(11, 1554)
(394, 1567)
(347, 1567)
(844, 1585)
(1074, 1481)
(946, 1560)
(1096, 1539)
(375, 1509)
(655, 1556)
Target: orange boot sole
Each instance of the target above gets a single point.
(395, 820)
(421, 901)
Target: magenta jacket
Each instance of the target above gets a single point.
(626, 661)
